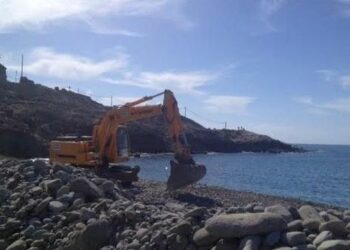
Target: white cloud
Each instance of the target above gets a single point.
(36, 14)
(267, 9)
(345, 81)
(47, 62)
(338, 105)
(327, 74)
(184, 82)
(115, 100)
(228, 104)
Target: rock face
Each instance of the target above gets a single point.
(3, 76)
(32, 115)
(239, 225)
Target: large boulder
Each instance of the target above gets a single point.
(240, 225)
(280, 210)
(335, 245)
(203, 238)
(323, 236)
(95, 235)
(309, 212)
(86, 188)
(337, 227)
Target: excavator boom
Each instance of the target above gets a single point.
(109, 143)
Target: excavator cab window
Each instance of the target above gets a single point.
(122, 142)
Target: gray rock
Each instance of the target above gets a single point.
(309, 212)
(240, 225)
(28, 231)
(63, 176)
(36, 190)
(51, 186)
(108, 187)
(280, 210)
(56, 206)
(63, 190)
(87, 214)
(335, 245)
(40, 167)
(87, 188)
(294, 238)
(203, 238)
(226, 244)
(312, 224)
(337, 227)
(295, 225)
(182, 228)
(250, 243)
(17, 245)
(323, 236)
(196, 212)
(42, 205)
(272, 239)
(95, 235)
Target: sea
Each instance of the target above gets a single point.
(321, 175)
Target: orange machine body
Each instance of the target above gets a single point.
(110, 141)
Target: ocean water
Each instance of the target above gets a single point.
(321, 175)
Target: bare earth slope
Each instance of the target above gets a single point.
(32, 114)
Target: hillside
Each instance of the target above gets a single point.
(32, 115)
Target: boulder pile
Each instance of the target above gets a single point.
(44, 206)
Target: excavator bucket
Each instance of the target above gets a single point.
(184, 174)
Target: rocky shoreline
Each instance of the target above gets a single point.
(45, 206)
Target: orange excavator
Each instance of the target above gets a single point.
(108, 147)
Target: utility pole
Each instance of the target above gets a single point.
(111, 101)
(16, 76)
(22, 67)
(225, 125)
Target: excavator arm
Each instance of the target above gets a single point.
(106, 145)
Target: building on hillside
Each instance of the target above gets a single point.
(3, 76)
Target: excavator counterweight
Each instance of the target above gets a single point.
(109, 144)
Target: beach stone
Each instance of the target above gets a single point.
(323, 236)
(283, 248)
(40, 167)
(240, 225)
(272, 239)
(337, 227)
(63, 176)
(335, 245)
(203, 238)
(294, 238)
(56, 206)
(251, 242)
(304, 247)
(196, 212)
(29, 231)
(312, 224)
(17, 245)
(36, 190)
(280, 210)
(295, 225)
(182, 228)
(63, 190)
(309, 212)
(294, 212)
(95, 235)
(51, 186)
(87, 188)
(108, 187)
(226, 244)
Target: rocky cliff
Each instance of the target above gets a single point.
(32, 115)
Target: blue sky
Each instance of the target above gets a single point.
(277, 67)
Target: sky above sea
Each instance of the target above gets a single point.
(277, 67)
